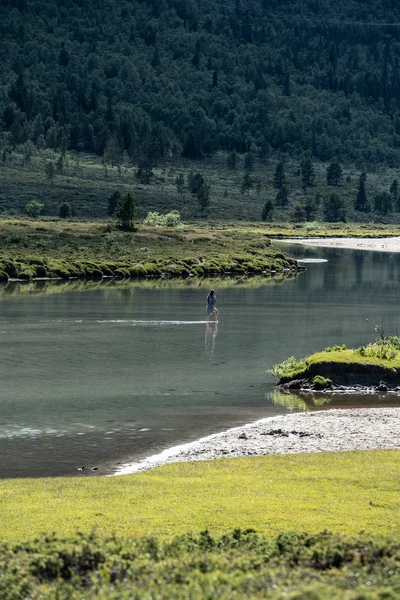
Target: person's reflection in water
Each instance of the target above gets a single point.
(209, 339)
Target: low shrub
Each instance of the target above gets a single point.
(288, 368)
(171, 219)
(321, 383)
(336, 348)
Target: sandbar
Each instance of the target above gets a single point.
(391, 244)
(334, 430)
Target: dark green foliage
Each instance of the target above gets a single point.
(64, 211)
(383, 203)
(307, 171)
(334, 173)
(247, 183)
(334, 208)
(50, 171)
(125, 211)
(279, 176)
(298, 212)
(240, 564)
(145, 172)
(112, 203)
(180, 184)
(231, 160)
(267, 211)
(248, 162)
(361, 202)
(282, 197)
(196, 78)
(199, 188)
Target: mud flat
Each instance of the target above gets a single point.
(323, 431)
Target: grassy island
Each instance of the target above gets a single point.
(376, 364)
(57, 248)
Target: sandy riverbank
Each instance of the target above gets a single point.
(391, 244)
(323, 431)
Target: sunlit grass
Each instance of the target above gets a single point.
(343, 492)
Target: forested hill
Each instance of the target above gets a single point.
(189, 77)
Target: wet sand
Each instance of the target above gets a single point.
(324, 431)
(391, 244)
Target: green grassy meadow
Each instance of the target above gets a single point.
(343, 492)
(86, 184)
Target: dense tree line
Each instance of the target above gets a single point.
(155, 78)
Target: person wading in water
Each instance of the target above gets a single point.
(210, 306)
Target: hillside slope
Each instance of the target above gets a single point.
(164, 78)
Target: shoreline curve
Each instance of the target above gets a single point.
(334, 430)
(390, 244)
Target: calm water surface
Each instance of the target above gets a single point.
(109, 374)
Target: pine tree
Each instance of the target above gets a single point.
(361, 202)
(383, 203)
(248, 162)
(282, 197)
(247, 183)
(64, 210)
(334, 208)
(267, 210)
(125, 211)
(307, 171)
(394, 190)
(180, 184)
(231, 161)
(279, 176)
(334, 173)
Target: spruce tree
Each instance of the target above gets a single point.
(334, 208)
(279, 176)
(282, 197)
(361, 202)
(267, 210)
(334, 173)
(307, 171)
(247, 183)
(125, 211)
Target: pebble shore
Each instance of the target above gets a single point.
(335, 430)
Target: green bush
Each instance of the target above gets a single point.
(238, 564)
(171, 219)
(3, 276)
(336, 348)
(321, 383)
(288, 368)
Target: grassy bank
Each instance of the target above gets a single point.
(64, 249)
(87, 185)
(367, 365)
(240, 564)
(343, 492)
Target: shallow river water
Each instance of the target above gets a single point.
(97, 374)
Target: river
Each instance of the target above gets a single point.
(94, 375)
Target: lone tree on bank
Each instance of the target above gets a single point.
(125, 211)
